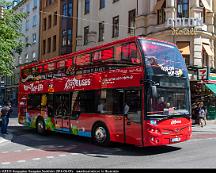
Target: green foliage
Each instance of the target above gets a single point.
(10, 27)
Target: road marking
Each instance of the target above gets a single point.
(36, 158)
(50, 157)
(75, 154)
(21, 161)
(30, 149)
(195, 140)
(5, 152)
(17, 151)
(6, 163)
(60, 146)
(62, 155)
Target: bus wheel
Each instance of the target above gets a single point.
(40, 126)
(100, 134)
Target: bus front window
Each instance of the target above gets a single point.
(165, 69)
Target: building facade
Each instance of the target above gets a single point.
(57, 27)
(101, 21)
(30, 52)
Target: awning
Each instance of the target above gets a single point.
(184, 48)
(206, 5)
(159, 5)
(208, 50)
(212, 87)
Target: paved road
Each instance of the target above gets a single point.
(29, 150)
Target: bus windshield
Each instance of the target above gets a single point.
(167, 73)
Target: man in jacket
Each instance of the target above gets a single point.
(5, 111)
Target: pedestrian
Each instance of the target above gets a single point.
(5, 114)
(202, 114)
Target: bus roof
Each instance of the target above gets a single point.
(125, 40)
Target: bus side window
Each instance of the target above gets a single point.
(50, 106)
(133, 100)
(75, 105)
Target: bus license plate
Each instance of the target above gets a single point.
(175, 139)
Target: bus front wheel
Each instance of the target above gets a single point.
(40, 126)
(100, 134)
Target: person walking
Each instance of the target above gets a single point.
(5, 114)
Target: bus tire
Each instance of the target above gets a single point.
(100, 134)
(40, 126)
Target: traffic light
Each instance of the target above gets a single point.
(1, 12)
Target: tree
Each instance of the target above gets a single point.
(10, 34)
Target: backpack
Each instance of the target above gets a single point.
(4, 111)
(202, 113)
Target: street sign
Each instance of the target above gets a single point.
(203, 74)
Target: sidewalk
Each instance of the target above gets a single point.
(6, 137)
(209, 128)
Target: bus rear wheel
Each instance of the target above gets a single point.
(100, 134)
(40, 126)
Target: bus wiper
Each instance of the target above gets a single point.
(167, 117)
(173, 116)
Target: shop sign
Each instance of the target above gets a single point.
(185, 31)
(203, 74)
(184, 22)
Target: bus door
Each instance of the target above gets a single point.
(62, 111)
(132, 116)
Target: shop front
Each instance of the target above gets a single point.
(203, 89)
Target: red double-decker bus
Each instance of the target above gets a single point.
(134, 91)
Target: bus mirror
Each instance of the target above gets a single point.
(154, 91)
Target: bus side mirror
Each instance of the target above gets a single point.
(154, 91)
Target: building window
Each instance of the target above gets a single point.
(55, 19)
(131, 21)
(64, 38)
(35, 4)
(34, 38)
(49, 45)
(49, 21)
(26, 58)
(28, 8)
(27, 41)
(20, 60)
(87, 6)
(102, 4)
(183, 8)
(65, 9)
(101, 31)
(115, 26)
(203, 14)
(34, 22)
(49, 2)
(44, 24)
(70, 8)
(34, 56)
(69, 37)
(86, 32)
(184, 48)
(27, 25)
(54, 43)
(44, 46)
(161, 15)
